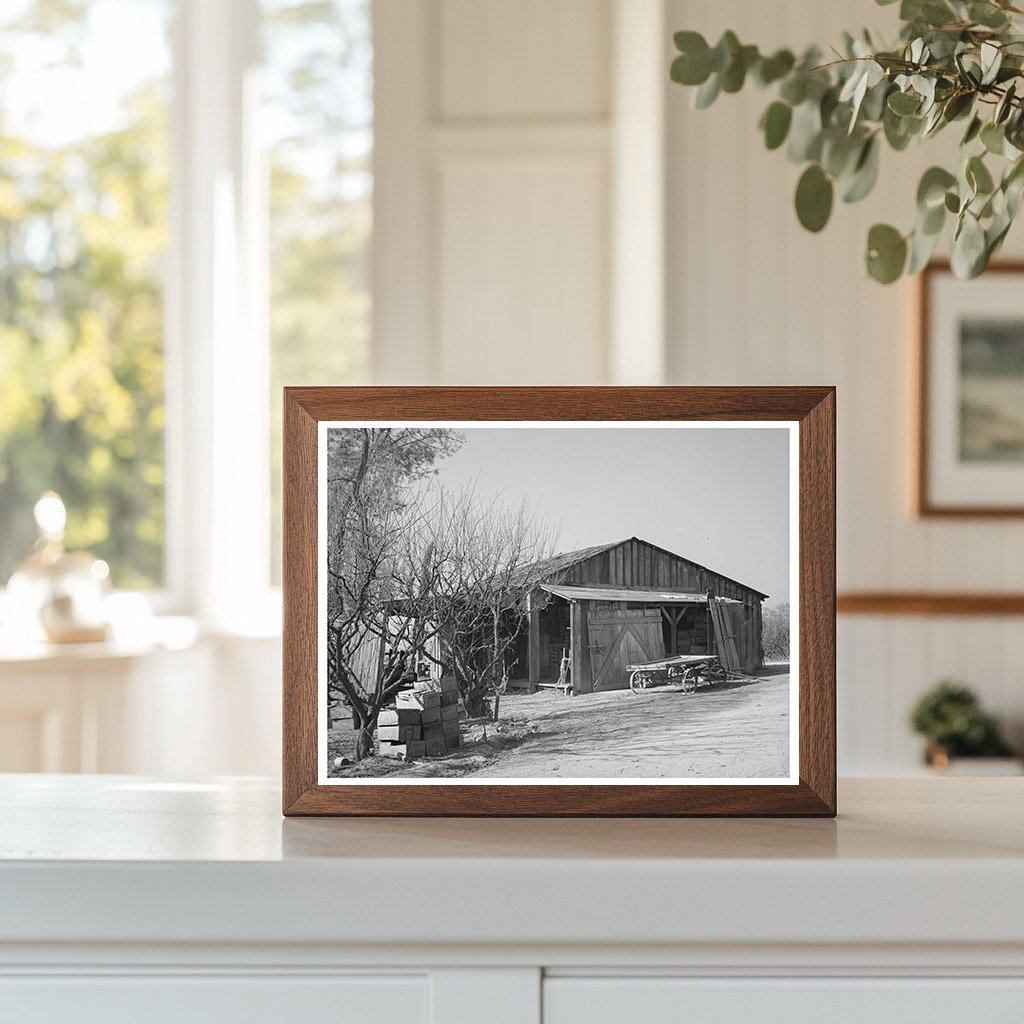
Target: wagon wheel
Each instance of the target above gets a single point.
(689, 680)
(639, 681)
(715, 673)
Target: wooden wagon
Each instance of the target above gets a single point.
(689, 670)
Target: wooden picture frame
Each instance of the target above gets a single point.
(935, 478)
(810, 414)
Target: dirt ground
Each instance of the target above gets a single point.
(738, 729)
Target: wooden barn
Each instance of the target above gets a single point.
(629, 602)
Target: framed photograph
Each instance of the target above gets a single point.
(970, 450)
(559, 601)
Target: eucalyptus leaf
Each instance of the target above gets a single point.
(805, 133)
(900, 130)
(814, 196)
(922, 247)
(771, 69)
(794, 88)
(886, 253)
(725, 49)
(707, 93)
(973, 130)
(931, 190)
(903, 103)
(690, 70)
(932, 221)
(987, 15)
(958, 105)
(840, 152)
(865, 173)
(1005, 105)
(978, 176)
(775, 124)
(968, 248)
(991, 61)
(735, 74)
(993, 138)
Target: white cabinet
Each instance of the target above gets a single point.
(202, 999)
(828, 1000)
(128, 899)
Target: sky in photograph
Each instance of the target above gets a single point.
(717, 496)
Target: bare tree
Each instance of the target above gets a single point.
(371, 599)
(482, 559)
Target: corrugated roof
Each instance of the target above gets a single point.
(638, 594)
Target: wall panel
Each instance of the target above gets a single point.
(530, 58)
(520, 285)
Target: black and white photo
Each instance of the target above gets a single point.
(574, 602)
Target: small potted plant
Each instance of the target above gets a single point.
(950, 718)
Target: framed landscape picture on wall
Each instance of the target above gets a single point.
(970, 446)
(559, 601)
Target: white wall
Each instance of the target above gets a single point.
(497, 210)
(754, 299)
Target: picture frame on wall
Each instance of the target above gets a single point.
(559, 601)
(970, 382)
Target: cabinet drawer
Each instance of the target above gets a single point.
(202, 999)
(674, 1000)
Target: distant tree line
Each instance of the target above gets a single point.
(775, 632)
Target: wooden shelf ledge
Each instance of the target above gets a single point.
(928, 603)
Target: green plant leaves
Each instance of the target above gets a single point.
(693, 65)
(805, 133)
(957, 60)
(814, 196)
(993, 138)
(932, 189)
(904, 103)
(969, 255)
(865, 173)
(707, 93)
(775, 122)
(887, 253)
(771, 69)
(978, 176)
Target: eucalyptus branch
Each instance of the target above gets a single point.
(956, 61)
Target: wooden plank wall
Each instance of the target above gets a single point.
(635, 563)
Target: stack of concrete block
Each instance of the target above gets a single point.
(424, 722)
(448, 689)
(400, 733)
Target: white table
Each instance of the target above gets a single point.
(197, 902)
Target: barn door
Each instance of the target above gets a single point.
(619, 638)
(728, 630)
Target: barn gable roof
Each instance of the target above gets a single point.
(562, 562)
(566, 560)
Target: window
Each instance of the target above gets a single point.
(317, 117)
(185, 222)
(83, 235)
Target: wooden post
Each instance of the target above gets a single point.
(581, 681)
(534, 645)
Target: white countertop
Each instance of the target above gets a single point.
(120, 859)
